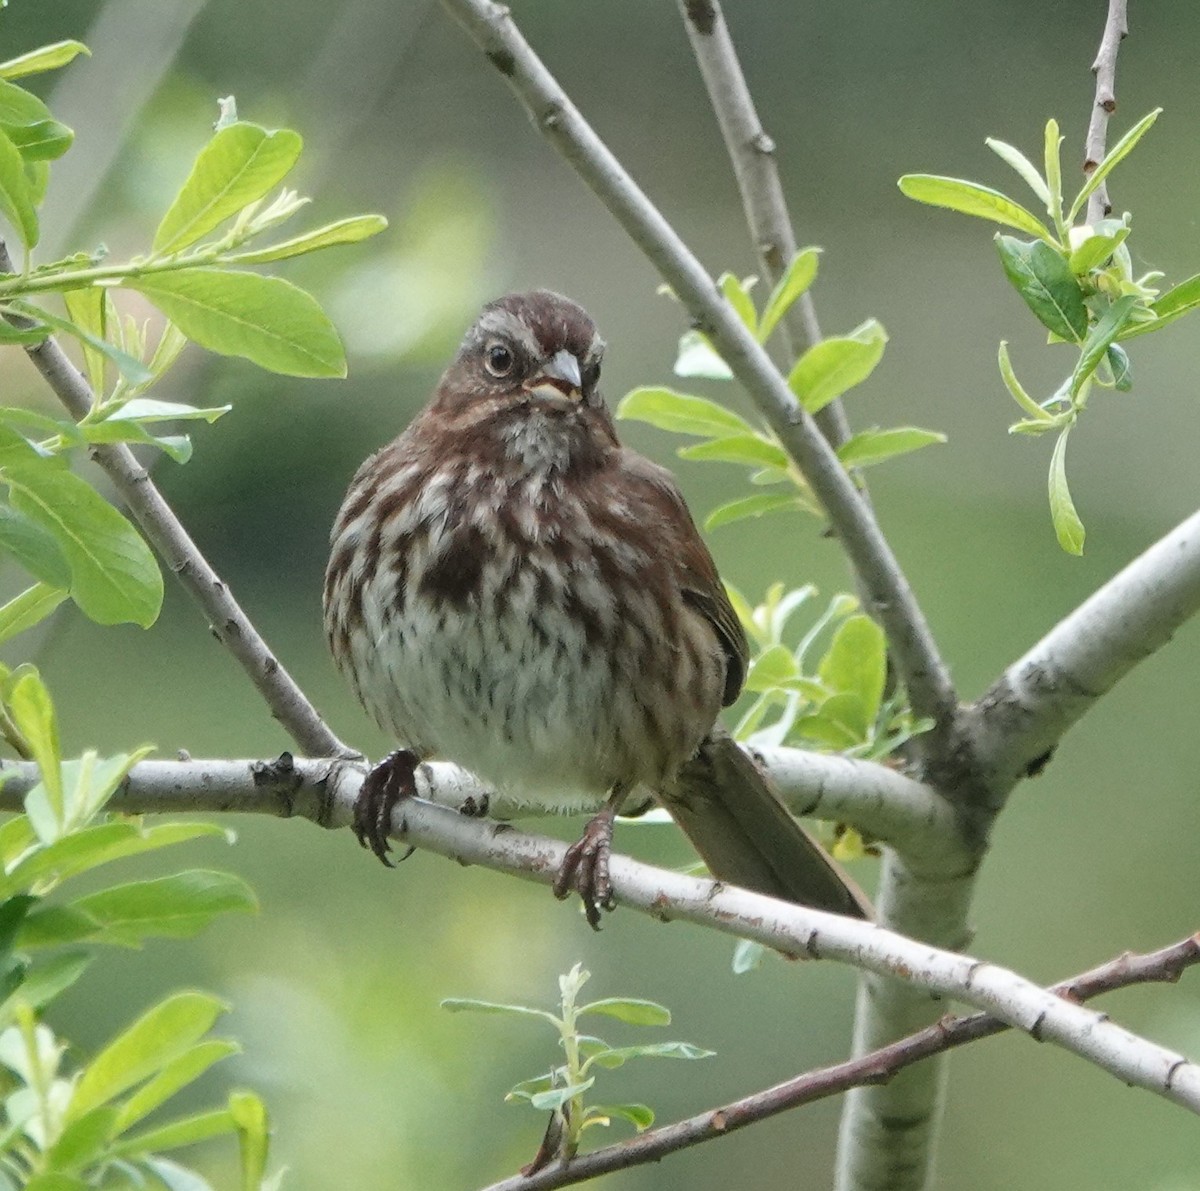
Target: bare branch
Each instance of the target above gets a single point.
(1105, 70)
(229, 624)
(1025, 713)
(325, 791)
(1165, 965)
(889, 597)
(879, 802)
(752, 154)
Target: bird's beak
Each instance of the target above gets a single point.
(558, 379)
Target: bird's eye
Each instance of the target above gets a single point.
(593, 375)
(498, 359)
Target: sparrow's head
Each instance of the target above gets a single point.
(534, 348)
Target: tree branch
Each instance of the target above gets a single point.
(1105, 70)
(1165, 965)
(1022, 717)
(325, 791)
(878, 801)
(752, 155)
(229, 624)
(889, 596)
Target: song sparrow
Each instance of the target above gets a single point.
(511, 589)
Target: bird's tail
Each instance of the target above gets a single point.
(748, 837)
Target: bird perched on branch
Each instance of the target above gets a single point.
(511, 589)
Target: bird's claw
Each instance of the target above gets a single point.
(585, 868)
(393, 779)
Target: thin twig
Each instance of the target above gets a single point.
(890, 598)
(1028, 709)
(1105, 70)
(228, 623)
(1165, 965)
(752, 154)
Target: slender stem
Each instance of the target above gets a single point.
(752, 155)
(1164, 966)
(890, 598)
(229, 624)
(1105, 70)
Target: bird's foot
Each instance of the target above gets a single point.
(585, 867)
(391, 780)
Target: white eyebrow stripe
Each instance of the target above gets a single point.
(505, 325)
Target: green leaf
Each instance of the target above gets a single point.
(174, 1076)
(179, 1178)
(755, 506)
(1044, 279)
(470, 1005)
(772, 668)
(836, 364)
(240, 164)
(88, 309)
(1017, 391)
(640, 1116)
(114, 577)
(145, 409)
(177, 446)
(91, 847)
(631, 1010)
(1093, 250)
(32, 709)
(185, 1131)
(47, 57)
(747, 956)
(618, 1056)
(1122, 370)
(875, 445)
(343, 231)
(176, 906)
(250, 1115)
(856, 663)
(840, 723)
(31, 607)
(1053, 160)
(43, 140)
(35, 549)
(1112, 159)
(753, 449)
(1019, 162)
(739, 298)
(159, 1036)
(16, 196)
(84, 1141)
(1099, 338)
(46, 980)
(10, 335)
(557, 1097)
(53, 926)
(1178, 300)
(698, 358)
(970, 198)
(796, 279)
(682, 413)
(1067, 526)
(265, 319)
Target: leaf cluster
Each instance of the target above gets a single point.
(823, 373)
(105, 1122)
(561, 1090)
(199, 273)
(1077, 280)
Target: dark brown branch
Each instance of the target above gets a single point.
(1105, 70)
(877, 1067)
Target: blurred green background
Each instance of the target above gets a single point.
(335, 986)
